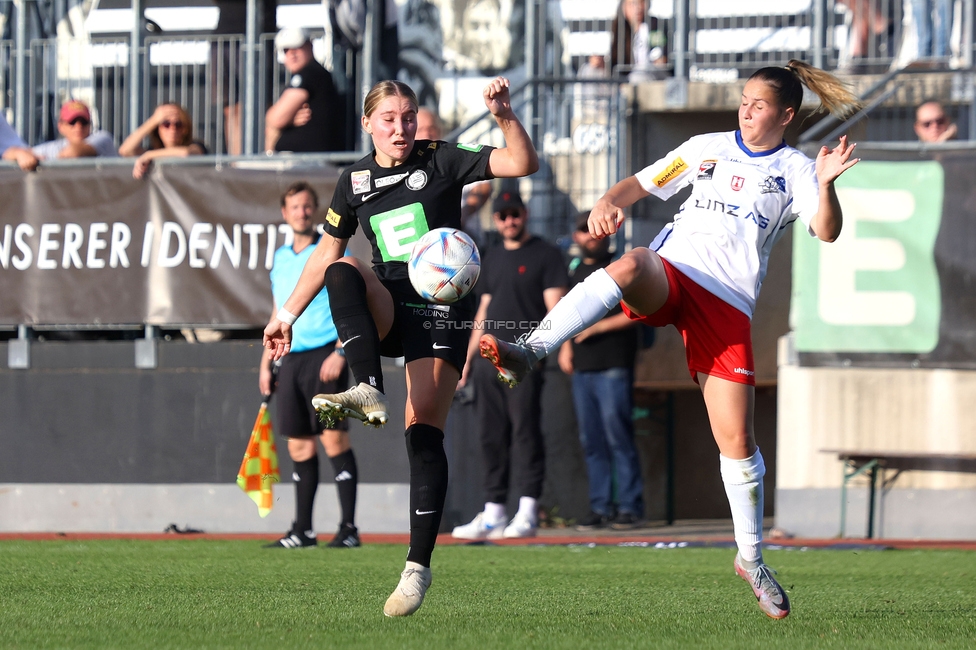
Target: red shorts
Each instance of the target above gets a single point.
(717, 336)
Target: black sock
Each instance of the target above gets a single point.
(306, 483)
(428, 489)
(346, 479)
(354, 323)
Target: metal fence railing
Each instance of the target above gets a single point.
(576, 127)
(718, 40)
(889, 108)
(702, 40)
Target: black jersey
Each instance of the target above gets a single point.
(396, 206)
(320, 132)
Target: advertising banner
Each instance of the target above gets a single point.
(188, 245)
(898, 287)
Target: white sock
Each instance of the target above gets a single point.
(584, 305)
(528, 508)
(744, 487)
(495, 512)
(415, 565)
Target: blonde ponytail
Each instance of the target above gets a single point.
(833, 94)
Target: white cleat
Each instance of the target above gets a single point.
(520, 528)
(409, 593)
(362, 402)
(480, 528)
(772, 598)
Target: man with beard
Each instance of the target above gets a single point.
(521, 278)
(601, 362)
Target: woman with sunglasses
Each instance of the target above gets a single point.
(397, 193)
(703, 272)
(170, 134)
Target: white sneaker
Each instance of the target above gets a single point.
(520, 527)
(480, 528)
(409, 593)
(362, 402)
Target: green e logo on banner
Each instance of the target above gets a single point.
(875, 289)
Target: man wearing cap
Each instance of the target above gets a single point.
(522, 278)
(601, 362)
(77, 139)
(306, 118)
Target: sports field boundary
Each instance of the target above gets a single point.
(551, 538)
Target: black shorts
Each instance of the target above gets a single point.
(298, 383)
(422, 329)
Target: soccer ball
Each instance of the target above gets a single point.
(444, 265)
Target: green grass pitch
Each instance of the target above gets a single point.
(235, 594)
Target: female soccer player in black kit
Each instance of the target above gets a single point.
(400, 191)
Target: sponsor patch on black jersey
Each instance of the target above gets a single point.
(360, 181)
(389, 180)
(417, 180)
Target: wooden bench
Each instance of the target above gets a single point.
(874, 464)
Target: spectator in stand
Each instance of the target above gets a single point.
(77, 139)
(226, 60)
(473, 196)
(933, 26)
(601, 362)
(14, 149)
(932, 124)
(866, 22)
(429, 125)
(638, 43)
(595, 97)
(170, 134)
(520, 279)
(305, 117)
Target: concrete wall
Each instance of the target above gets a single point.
(909, 410)
(92, 444)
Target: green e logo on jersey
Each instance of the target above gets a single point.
(875, 289)
(397, 230)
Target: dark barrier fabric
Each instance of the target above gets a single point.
(83, 414)
(189, 245)
(898, 288)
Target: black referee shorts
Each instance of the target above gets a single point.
(298, 383)
(423, 329)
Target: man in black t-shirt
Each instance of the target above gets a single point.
(521, 280)
(307, 116)
(601, 361)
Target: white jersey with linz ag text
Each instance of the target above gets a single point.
(740, 204)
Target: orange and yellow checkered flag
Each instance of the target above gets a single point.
(259, 469)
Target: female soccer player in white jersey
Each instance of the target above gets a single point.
(397, 193)
(703, 272)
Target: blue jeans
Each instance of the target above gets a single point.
(929, 23)
(604, 405)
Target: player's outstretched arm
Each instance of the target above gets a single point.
(608, 212)
(831, 163)
(277, 335)
(518, 157)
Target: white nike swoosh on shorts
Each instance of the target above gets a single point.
(441, 347)
(424, 512)
(352, 338)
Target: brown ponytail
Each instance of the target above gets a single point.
(788, 84)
